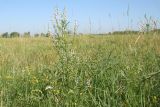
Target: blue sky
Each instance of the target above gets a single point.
(104, 15)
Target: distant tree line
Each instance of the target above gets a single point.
(124, 32)
(25, 34)
(133, 32)
(28, 34)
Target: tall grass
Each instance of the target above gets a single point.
(84, 71)
(89, 71)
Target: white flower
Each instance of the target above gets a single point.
(88, 82)
(48, 87)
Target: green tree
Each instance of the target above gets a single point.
(14, 34)
(5, 35)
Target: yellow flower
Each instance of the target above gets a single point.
(34, 80)
(81, 93)
(154, 99)
(56, 91)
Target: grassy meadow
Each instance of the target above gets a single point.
(81, 71)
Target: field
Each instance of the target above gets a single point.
(82, 71)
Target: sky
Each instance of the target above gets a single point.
(92, 16)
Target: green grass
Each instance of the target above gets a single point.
(84, 71)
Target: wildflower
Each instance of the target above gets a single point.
(48, 87)
(34, 80)
(88, 83)
(154, 99)
(56, 91)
